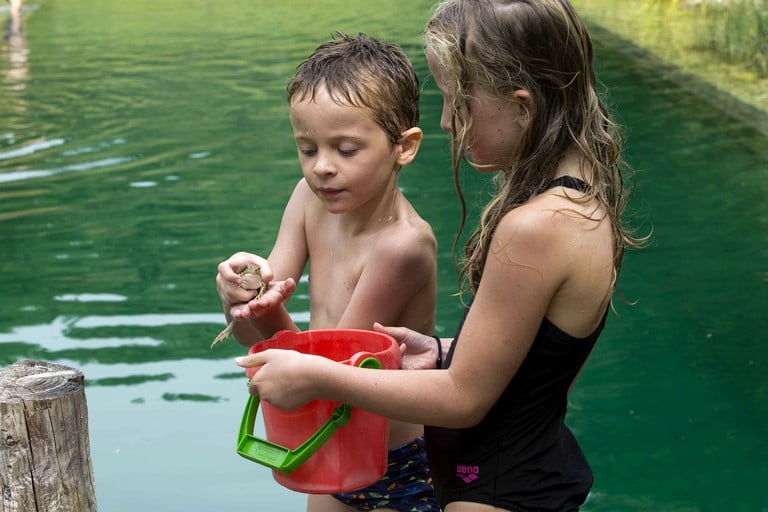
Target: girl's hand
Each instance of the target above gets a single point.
(419, 351)
(286, 379)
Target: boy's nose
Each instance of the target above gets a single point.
(324, 165)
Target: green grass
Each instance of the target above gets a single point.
(736, 31)
(717, 48)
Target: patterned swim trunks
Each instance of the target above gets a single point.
(406, 487)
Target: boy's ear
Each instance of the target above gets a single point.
(409, 145)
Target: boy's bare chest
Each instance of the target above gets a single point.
(335, 267)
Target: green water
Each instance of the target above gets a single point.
(142, 142)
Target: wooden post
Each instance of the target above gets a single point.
(45, 458)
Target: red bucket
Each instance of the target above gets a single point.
(323, 447)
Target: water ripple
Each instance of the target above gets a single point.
(31, 148)
(7, 177)
(56, 333)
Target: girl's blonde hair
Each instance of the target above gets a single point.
(542, 46)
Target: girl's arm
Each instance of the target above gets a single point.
(518, 283)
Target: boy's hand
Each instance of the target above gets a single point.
(247, 303)
(229, 282)
(276, 294)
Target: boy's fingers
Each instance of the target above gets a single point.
(240, 311)
(225, 271)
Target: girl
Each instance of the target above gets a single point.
(520, 101)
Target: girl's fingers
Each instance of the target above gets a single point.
(251, 360)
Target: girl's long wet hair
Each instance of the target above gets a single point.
(542, 46)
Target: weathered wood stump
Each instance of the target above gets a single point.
(45, 457)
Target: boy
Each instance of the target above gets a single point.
(354, 111)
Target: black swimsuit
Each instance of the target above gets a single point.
(521, 456)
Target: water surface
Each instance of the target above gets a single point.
(143, 142)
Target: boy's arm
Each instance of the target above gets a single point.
(398, 285)
(286, 261)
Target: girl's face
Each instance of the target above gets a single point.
(497, 124)
(346, 158)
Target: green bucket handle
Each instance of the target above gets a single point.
(284, 459)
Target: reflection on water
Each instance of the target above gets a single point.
(136, 152)
(17, 72)
(55, 335)
(42, 145)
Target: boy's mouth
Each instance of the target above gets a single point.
(329, 193)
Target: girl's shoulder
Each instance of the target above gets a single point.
(552, 218)
(528, 228)
(560, 205)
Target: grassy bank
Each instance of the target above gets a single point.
(717, 48)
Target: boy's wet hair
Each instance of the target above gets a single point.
(364, 72)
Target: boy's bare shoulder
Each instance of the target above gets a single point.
(305, 200)
(418, 228)
(302, 188)
(415, 230)
(410, 239)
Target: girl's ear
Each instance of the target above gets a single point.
(523, 98)
(410, 141)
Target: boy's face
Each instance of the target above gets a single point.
(346, 157)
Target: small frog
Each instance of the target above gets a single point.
(252, 280)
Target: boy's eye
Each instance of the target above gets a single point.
(347, 151)
(307, 151)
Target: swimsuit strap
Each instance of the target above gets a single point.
(569, 182)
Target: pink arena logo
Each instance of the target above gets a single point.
(468, 473)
